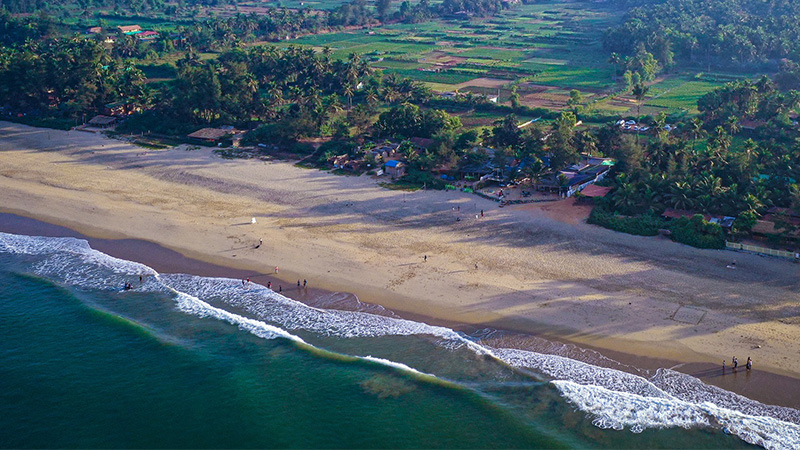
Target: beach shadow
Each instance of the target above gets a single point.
(241, 224)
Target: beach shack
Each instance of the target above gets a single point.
(592, 192)
(395, 168)
(209, 135)
(101, 121)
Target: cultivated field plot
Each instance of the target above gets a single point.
(556, 44)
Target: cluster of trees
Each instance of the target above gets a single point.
(14, 31)
(704, 168)
(408, 120)
(724, 33)
(263, 83)
(71, 75)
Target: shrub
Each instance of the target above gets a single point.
(697, 232)
(642, 225)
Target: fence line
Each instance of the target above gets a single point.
(762, 250)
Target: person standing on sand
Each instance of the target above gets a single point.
(298, 284)
(276, 269)
(269, 284)
(280, 288)
(481, 213)
(305, 283)
(735, 363)
(723, 367)
(749, 364)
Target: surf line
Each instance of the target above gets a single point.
(193, 305)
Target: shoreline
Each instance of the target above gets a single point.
(165, 260)
(652, 303)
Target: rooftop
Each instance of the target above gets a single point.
(209, 134)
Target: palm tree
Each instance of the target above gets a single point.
(625, 198)
(697, 131)
(348, 92)
(733, 125)
(680, 195)
(615, 60)
(639, 91)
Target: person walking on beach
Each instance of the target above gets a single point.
(723, 367)
(269, 284)
(298, 284)
(735, 363)
(425, 258)
(481, 213)
(280, 288)
(276, 269)
(749, 364)
(305, 283)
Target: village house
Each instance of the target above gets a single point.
(147, 35)
(94, 30)
(421, 144)
(130, 29)
(395, 168)
(119, 109)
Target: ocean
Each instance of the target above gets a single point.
(183, 361)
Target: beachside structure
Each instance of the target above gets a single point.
(211, 135)
(777, 221)
(572, 179)
(723, 221)
(592, 192)
(101, 121)
(395, 168)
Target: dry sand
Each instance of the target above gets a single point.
(646, 297)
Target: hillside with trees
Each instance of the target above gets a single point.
(733, 34)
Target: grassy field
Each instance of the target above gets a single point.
(545, 49)
(554, 43)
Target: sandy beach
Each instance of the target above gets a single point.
(645, 300)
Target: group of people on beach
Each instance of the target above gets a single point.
(735, 364)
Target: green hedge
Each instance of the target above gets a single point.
(646, 225)
(695, 231)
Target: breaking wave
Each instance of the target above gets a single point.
(613, 398)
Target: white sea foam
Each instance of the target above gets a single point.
(617, 410)
(293, 315)
(396, 365)
(193, 305)
(72, 261)
(616, 399)
(561, 368)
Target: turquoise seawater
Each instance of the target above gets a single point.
(190, 362)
